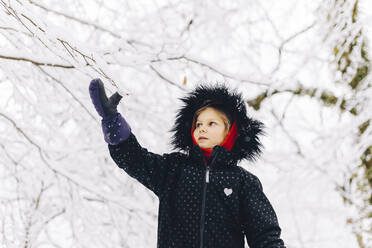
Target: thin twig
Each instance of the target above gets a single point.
(213, 69)
(284, 42)
(68, 91)
(166, 79)
(36, 62)
(76, 19)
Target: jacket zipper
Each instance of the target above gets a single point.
(206, 181)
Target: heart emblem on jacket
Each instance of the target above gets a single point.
(227, 191)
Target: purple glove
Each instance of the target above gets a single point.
(105, 107)
(114, 126)
(115, 129)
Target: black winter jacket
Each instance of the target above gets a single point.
(212, 204)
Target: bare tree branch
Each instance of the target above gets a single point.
(36, 62)
(204, 64)
(69, 92)
(281, 47)
(76, 19)
(59, 172)
(166, 79)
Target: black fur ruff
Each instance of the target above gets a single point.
(247, 145)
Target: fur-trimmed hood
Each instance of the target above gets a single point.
(247, 145)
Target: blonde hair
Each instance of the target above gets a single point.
(222, 114)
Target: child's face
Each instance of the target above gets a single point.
(210, 129)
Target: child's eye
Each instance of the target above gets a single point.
(212, 123)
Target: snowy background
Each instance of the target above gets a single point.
(302, 66)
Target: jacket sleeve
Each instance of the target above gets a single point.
(150, 169)
(260, 223)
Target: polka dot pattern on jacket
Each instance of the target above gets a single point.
(213, 205)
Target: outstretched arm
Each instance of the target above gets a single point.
(152, 170)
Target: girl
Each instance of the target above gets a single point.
(205, 199)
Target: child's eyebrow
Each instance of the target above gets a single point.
(208, 120)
